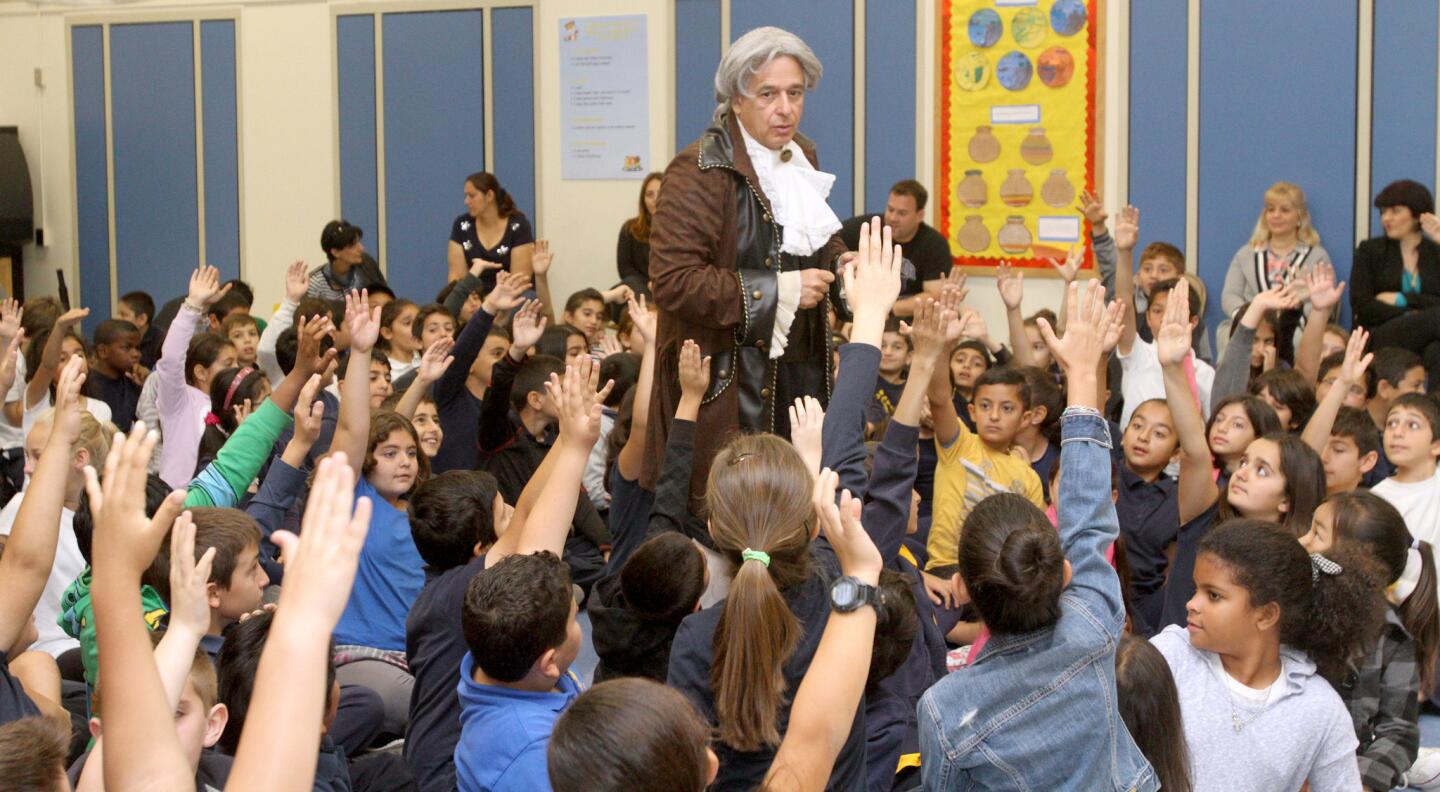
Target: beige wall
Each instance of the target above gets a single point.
(288, 143)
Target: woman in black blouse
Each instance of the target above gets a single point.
(1395, 278)
(632, 253)
(491, 229)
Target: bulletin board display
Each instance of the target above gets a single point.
(1019, 89)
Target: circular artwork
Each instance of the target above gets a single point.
(1068, 17)
(1028, 27)
(1014, 71)
(1055, 67)
(972, 72)
(985, 28)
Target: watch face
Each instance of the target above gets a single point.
(845, 594)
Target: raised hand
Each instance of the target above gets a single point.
(927, 331)
(1324, 291)
(1431, 225)
(872, 283)
(973, 325)
(205, 287)
(1071, 266)
(320, 563)
(9, 359)
(1010, 282)
(527, 326)
(1090, 206)
(126, 540)
(694, 371)
(1276, 298)
(1090, 326)
(542, 258)
(954, 281)
(578, 402)
(242, 411)
(69, 400)
(641, 317)
(189, 605)
(479, 266)
(296, 282)
(1172, 342)
(362, 323)
(11, 312)
(309, 412)
(509, 292)
(853, 546)
(807, 422)
(610, 345)
(435, 360)
(1352, 370)
(71, 318)
(1127, 228)
(309, 336)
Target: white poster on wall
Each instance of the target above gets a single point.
(604, 98)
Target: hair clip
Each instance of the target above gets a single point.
(1319, 564)
(738, 458)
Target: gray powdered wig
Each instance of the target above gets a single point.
(752, 52)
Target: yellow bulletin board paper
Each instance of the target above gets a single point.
(1017, 129)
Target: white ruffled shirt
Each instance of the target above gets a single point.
(797, 194)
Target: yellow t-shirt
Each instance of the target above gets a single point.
(968, 471)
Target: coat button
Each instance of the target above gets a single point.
(769, 262)
(755, 295)
(767, 217)
(764, 393)
(723, 373)
(760, 344)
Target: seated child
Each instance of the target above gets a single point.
(519, 622)
(243, 332)
(894, 359)
(138, 308)
(968, 361)
(398, 340)
(1147, 502)
(1150, 707)
(33, 752)
(118, 376)
(1412, 443)
(1397, 371)
(585, 311)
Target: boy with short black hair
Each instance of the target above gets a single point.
(1397, 371)
(118, 376)
(138, 308)
(379, 373)
(243, 332)
(1412, 443)
(890, 379)
(519, 622)
(1352, 451)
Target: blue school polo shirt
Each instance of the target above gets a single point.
(389, 578)
(504, 733)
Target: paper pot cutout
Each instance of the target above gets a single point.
(1014, 70)
(1016, 189)
(1055, 67)
(984, 146)
(1028, 27)
(1035, 148)
(973, 235)
(971, 190)
(1014, 237)
(1057, 191)
(1067, 17)
(985, 28)
(972, 72)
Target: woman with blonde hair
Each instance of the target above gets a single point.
(1282, 249)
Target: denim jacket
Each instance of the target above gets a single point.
(1037, 711)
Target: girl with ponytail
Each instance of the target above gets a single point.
(490, 235)
(1384, 693)
(1272, 632)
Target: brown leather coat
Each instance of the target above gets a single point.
(714, 255)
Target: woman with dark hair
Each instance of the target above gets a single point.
(1395, 278)
(492, 229)
(632, 253)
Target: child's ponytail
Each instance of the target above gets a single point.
(758, 499)
(1372, 521)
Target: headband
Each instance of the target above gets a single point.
(235, 385)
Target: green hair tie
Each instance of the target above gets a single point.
(755, 555)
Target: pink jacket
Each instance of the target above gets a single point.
(182, 406)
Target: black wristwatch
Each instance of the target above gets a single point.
(848, 594)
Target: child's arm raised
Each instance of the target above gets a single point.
(1127, 231)
(352, 431)
(526, 328)
(296, 284)
(1011, 285)
(836, 677)
(632, 454)
(1233, 375)
(44, 373)
(1088, 524)
(30, 551)
(942, 404)
(1324, 294)
(433, 364)
(1352, 372)
(278, 751)
(672, 488)
(1197, 472)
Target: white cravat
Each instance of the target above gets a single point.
(797, 194)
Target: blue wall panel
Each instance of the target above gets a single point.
(1158, 30)
(1402, 143)
(359, 191)
(889, 99)
(1257, 127)
(828, 27)
(222, 164)
(152, 81)
(697, 52)
(434, 120)
(512, 36)
(92, 208)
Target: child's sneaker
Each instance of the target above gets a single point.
(1425, 773)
